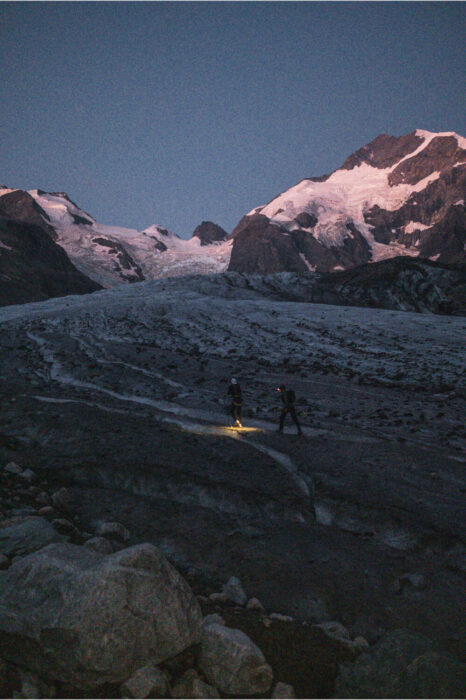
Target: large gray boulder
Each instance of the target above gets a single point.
(28, 536)
(78, 617)
(148, 681)
(232, 662)
(191, 686)
(402, 664)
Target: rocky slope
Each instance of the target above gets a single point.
(33, 267)
(208, 232)
(395, 196)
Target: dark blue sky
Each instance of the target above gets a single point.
(173, 113)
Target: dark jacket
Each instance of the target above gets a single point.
(288, 398)
(234, 390)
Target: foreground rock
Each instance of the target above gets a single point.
(233, 663)
(403, 664)
(234, 591)
(283, 690)
(191, 686)
(28, 536)
(75, 616)
(148, 681)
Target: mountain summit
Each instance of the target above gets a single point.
(395, 196)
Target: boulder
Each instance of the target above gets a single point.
(148, 681)
(64, 526)
(281, 617)
(28, 536)
(218, 597)
(28, 475)
(62, 500)
(47, 512)
(191, 686)
(30, 685)
(431, 675)
(255, 604)
(334, 630)
(213, 619)
(99, 544)
(115, 531)
(234, 591)
(84, 619)
(43, 499)
(232, 662)
(283, 690)
(13, 468)
(402, 664)
(408, 581)
(338, 633)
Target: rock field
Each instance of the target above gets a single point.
(305, 560)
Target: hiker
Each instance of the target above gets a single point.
(288, 399)
(234, 390)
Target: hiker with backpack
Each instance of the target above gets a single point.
(234, 390)
(288, 399)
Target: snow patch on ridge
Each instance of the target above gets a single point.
(412, 226)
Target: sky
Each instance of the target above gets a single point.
(173, 113)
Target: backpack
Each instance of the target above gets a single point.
(291, 396)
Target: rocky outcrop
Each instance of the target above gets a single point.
(78, 617)
(442, 152)
(384, 151)
(22, 207)
(191, 686)
(431, 221)
(27, 536)
(148, 681)
(33, 267)
(233, 663)
(408, 284)
(208, 233)
(403, 283)
(124, 263)
(262, 247)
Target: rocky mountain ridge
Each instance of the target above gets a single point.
(33, 267)
(111, 255)
(395, 196)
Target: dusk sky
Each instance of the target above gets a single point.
(173, 113)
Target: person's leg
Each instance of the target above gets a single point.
(282, 419)
(239, 410)
(295, 419)
(233, 411)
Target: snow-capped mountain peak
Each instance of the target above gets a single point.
(395, 196)
(111, 255)
(388, 198)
